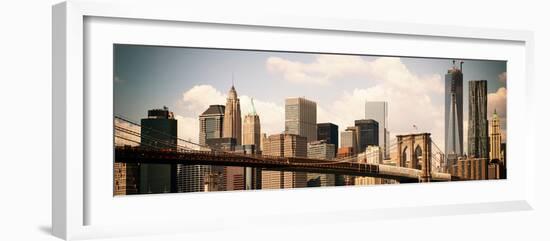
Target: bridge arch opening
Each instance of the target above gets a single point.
(404, 161)
(418, 158)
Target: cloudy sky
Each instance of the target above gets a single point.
(187, 80)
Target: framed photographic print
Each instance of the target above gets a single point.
(196, 122)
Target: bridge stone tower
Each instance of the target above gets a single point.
(415, 151)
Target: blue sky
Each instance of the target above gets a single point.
(187, 80)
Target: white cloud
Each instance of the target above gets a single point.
(405, 109)
(197, 99)
(328, 68)
(193, 102)
(502, 77)
(407, 93)
(188, 129)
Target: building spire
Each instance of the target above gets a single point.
(253, 107)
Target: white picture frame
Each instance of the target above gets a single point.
(75, 201)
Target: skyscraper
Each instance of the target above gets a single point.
(158, 131)
(193, 178)
(325, 151)
(232, 129)
(328, 132)
(367, 133)
(211, 123)
(252, 175)
(284, 145)
(263, 139)
(251, 129)
(126, 175)
(301, 118)
(478, 138)
(454, 134)
(219, 174)
(350, 138)
(378, 111)
(251, 145)
(232, 118)
(496, 138)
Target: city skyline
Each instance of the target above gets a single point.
(358, 79)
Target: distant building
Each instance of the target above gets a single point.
(362, 181)
(503, 157)
(263, 139)
(252, 175)
(126, 175)
(159, 131)
(368, 134)
(229, 178)
(478, 136)
(470, 168)
(328, 132)
(349, 138)
(232, 118)
(320, 150)
(194, 178)
(284, 145)
(301, 118)
(252, 137)
(211, 123)
(496, 138)
(344, 152)
(454, 130)
(378, 111)
(372, 155)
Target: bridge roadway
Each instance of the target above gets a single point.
(295, 164)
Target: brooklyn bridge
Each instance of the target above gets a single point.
(418, 168)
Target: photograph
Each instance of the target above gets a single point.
(190, 119)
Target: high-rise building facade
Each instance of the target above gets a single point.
(367, 133)
(251, 129)
(216, 174)
(301, 118)
(232, 125)
(478, 136)
(372, 155)
(325, 151)
(454, 127)
(232, 118)
(252, 175)
(263, 139)
(194, 178)
(158, 131)
(378, 111)
(350, 138)
(126, 175)
(496, 138)
(328, 132)
(211, 123)
(284, 145)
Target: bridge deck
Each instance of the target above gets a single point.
(220, 158)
